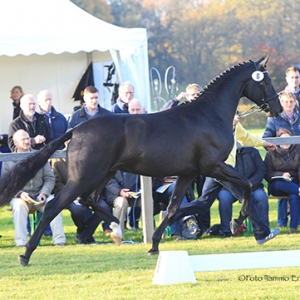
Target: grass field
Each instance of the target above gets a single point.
(106, 271)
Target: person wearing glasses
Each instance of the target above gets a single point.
(126, 94)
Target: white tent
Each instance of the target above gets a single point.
(48, 44)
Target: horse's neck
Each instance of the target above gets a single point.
(225, 92)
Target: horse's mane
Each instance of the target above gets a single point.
(218, 77)
(214, 80)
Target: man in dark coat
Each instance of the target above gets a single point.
(90, 109)
(56, 122)
(126, 94)
(32, 122)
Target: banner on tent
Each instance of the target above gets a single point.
(87, 79)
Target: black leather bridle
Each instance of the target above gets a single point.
(265, 101)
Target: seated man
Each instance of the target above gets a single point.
(118, 193)
(250, 165)
(39, 189)
(85, 220)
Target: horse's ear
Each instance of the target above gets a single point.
(263, 61)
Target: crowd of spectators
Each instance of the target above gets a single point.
(35, 123)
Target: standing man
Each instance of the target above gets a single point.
(126, 94)
(292, 77)
(56, 122)
(30, 121)
(39, 188)
(90, 109)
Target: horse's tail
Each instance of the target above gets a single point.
(16, 178)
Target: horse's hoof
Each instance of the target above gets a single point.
(234, 226)
(152, 252)
(23, 260)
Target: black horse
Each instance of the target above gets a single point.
(186, 141)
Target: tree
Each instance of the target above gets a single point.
(98, 8)
(201, 38)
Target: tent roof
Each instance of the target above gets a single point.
(55, 26)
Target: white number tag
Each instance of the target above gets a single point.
(257, 76)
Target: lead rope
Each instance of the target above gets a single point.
(251, 110)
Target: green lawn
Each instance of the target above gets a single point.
(106, 271)
(258, 131)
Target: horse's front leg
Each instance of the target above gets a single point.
(181, 186)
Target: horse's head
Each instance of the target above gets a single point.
(260, 89)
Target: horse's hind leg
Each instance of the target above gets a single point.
(180, 189)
